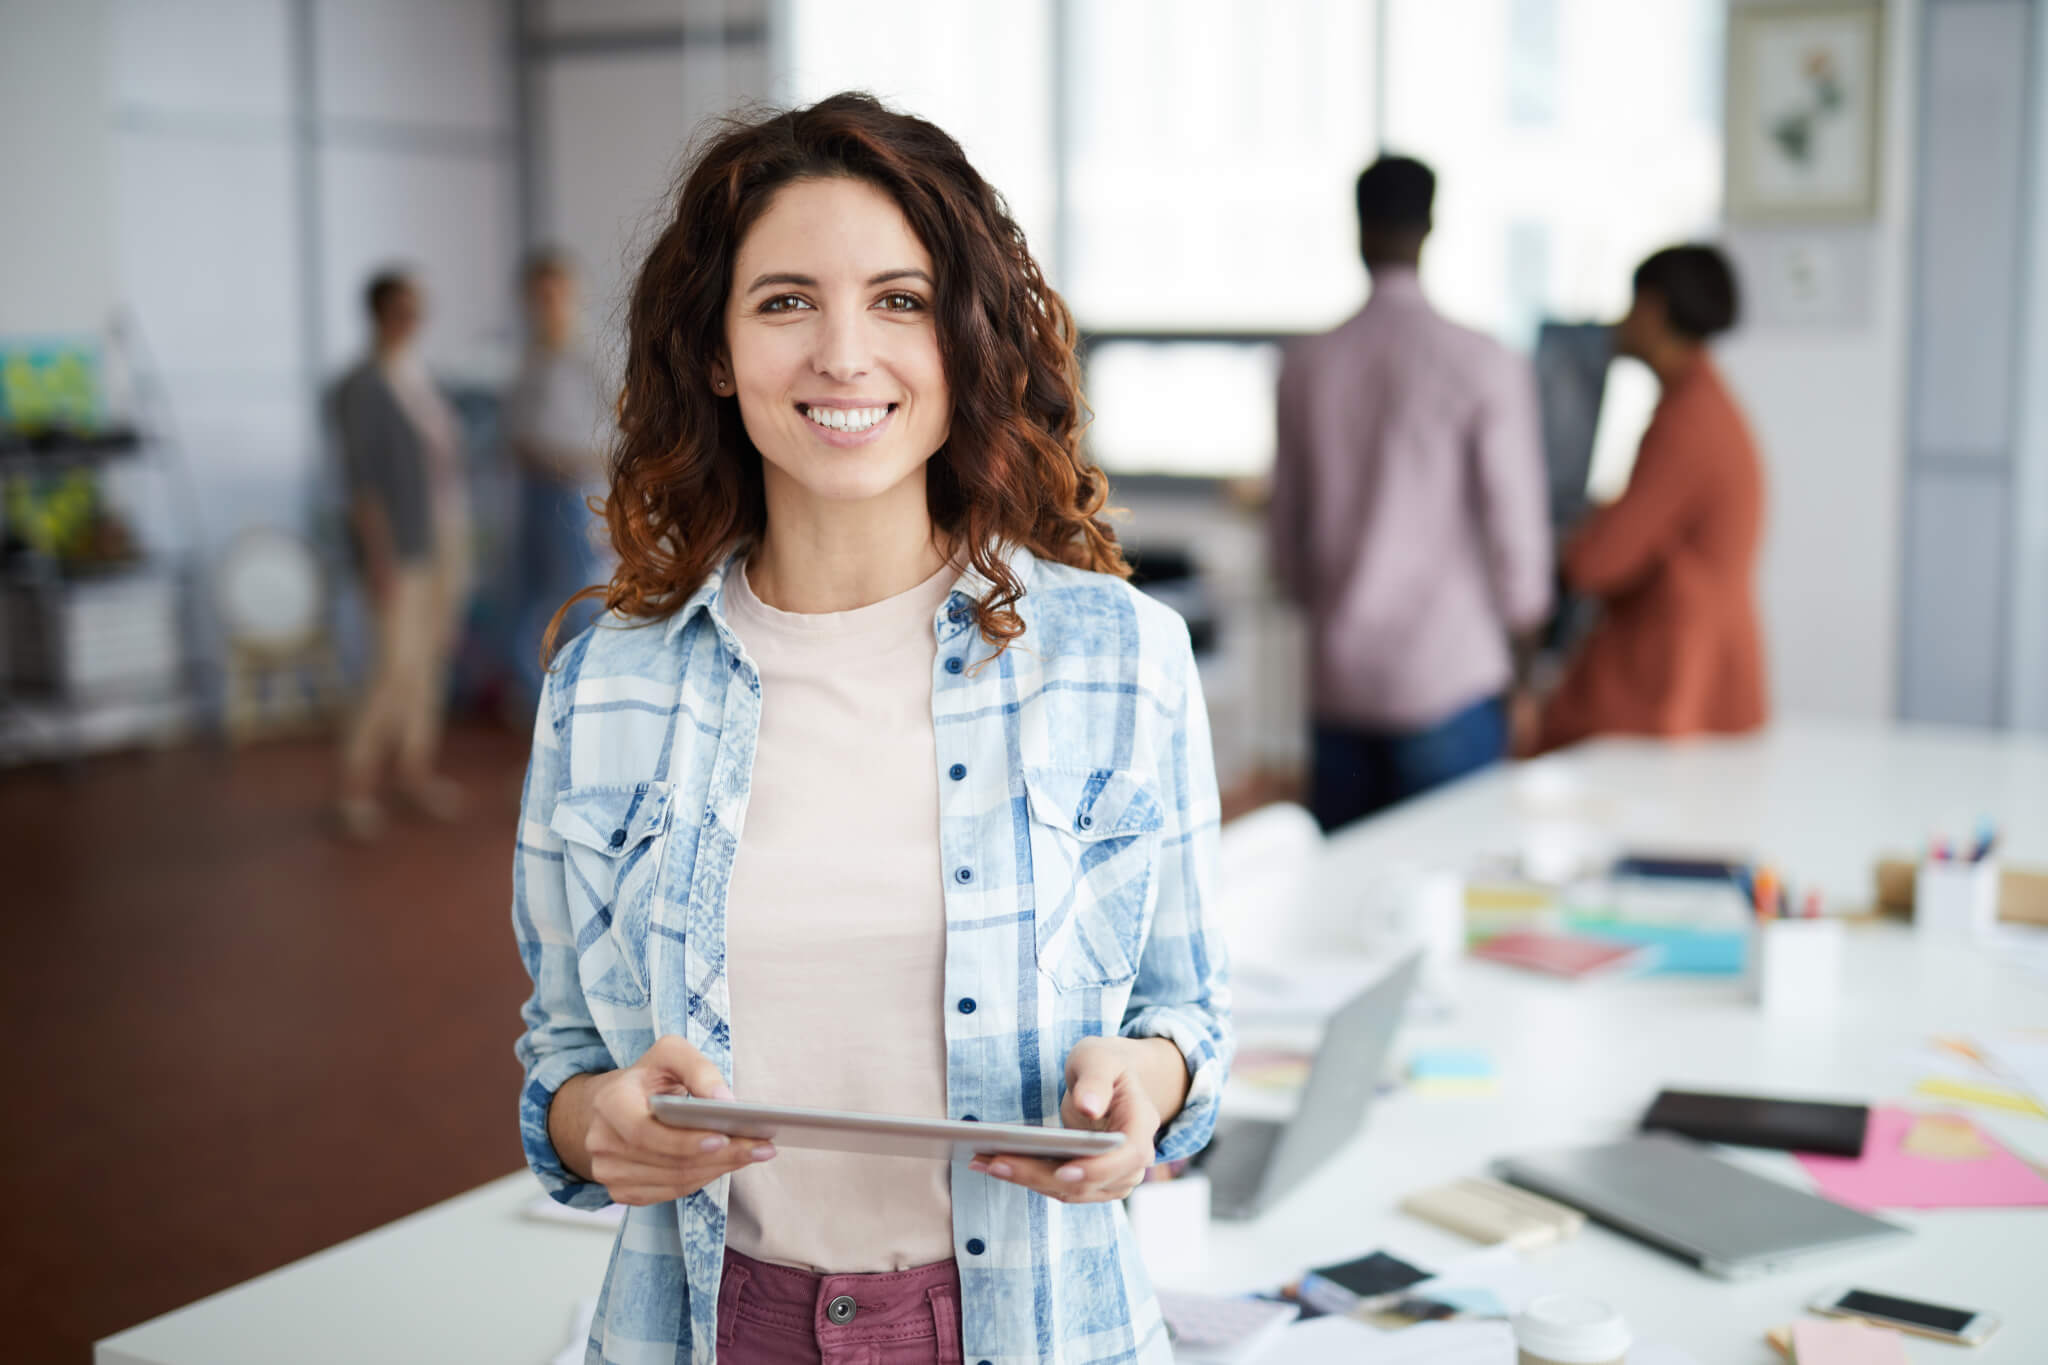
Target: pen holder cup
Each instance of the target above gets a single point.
(1796, 965)
(1171, 1221)
(1956, 899)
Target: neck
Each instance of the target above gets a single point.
(388, 351)
(818, 556)
(1670, 360)
(1393, 265)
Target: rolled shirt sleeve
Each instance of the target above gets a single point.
(560, 1040)
(1182, 988)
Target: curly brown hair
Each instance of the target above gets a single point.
(686, 483)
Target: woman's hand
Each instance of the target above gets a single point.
(1112, 1084)
(615, 1140)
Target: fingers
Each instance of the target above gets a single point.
(1095, 1180)
(631, 1178)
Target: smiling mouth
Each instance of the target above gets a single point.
(846, 419)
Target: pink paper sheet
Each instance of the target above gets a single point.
(1887, 1176)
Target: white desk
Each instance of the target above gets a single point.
(471, 1279)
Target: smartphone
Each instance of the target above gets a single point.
(1908, 1315)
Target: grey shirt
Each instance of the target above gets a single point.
(384, 458)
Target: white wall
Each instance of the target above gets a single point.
(620, 90)
(56, 164)
(248, 203)
(2027, 663)
(1829, 407)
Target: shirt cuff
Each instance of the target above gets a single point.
(1189, 1030)
(547, 1076)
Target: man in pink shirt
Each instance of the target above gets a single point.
(1409, 519)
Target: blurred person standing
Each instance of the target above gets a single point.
(402, 457)
(1409, 518)
(1672, 562)
(554, 423)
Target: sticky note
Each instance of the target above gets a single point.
(1846, 1343)
(1946, 1137)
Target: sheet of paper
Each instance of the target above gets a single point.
(1889, 1176)
(2022, 1059)
(1340, 1341)
(1846, 1343)
(1989, 1094)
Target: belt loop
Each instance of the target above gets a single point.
(735, 1280)
(945, 1301)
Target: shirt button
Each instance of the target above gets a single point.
(842, 1309)
(966, 1005)
(975, 1247)
(618, 838)
(969, 1118)
(963, 874)
(954, 664)
(1086, 822)
(957, 771)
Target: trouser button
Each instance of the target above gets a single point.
(841, 1309)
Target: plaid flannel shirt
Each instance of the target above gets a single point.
(1079, 848)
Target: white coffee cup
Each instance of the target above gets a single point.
(1570, 1329)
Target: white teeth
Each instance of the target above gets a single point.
(846, 419)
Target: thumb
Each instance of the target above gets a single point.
(1093, 1083)
(698, 1073)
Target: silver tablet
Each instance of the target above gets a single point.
(839, 1130)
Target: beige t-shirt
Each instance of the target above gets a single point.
(836, 927)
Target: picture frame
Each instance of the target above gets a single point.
(1805, 112)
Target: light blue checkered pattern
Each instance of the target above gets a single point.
(1079, 859)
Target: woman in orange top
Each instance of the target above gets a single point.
(1676, 650)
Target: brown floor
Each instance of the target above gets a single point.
(237, 1040)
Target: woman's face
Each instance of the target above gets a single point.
(833, 346)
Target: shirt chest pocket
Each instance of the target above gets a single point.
(611, 854)
(1094, 849)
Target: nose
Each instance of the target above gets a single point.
(845, 352)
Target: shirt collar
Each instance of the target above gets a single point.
(970, 587)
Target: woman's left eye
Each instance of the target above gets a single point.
(899, 302)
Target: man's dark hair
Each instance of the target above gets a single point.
(1396, 193)
(385, 286)
(1697, 285)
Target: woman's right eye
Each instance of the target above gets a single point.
(784, 303)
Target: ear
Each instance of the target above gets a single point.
(721, 378)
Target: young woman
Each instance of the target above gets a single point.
(878, 789)
(1672, 562)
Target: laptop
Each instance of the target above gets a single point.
(1680, 1198)
(1253, 1162)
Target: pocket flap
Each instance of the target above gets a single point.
(1093, 803)
(612, 820)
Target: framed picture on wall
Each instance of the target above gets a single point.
(1805, 111)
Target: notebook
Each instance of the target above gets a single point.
(1567, 955)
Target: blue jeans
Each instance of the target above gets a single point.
(556, 559)
(1358, 772)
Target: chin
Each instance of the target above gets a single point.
(855, 481)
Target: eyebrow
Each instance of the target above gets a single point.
(810, 282)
